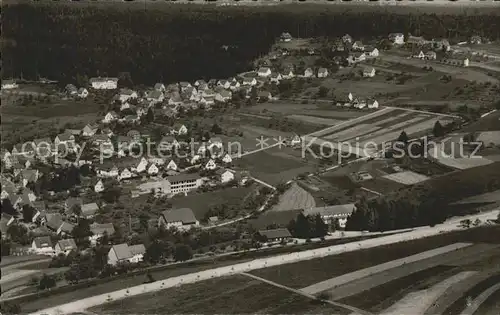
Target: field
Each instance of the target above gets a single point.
(294, 198)
(201, 202)
(406, 177)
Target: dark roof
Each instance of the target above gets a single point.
(73, 201)
(54, 220)
(67, 227)
(123, 251)
(182, 177)
(184, 215)
(275, 233)
(67, 244)
(97, 228)
(331, 210)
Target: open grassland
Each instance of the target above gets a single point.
(228, 295)
(293, 274)
(294, 198)
(407, 177)
(314, 120)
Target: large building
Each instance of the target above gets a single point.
(182, 218)
(171, 185)
(104, 83)
(330, 213)
(122, 253)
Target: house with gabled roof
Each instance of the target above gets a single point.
(89, 130)
(72, 202)
(125, 174)
(223, 96)
(65, 229)
(9, 84)
(175, 99)
(211, 165)
(42, 245)
(227, 158)
(179, 129)
(110, 117)
(285, 37)
(171, 165)
(142, 166)
(126, 94)
(64, 138)
(369, 72)
(225, 175)
(65, 246)
(329, 213)
(372, 51)
(182, 218)
(373, 104)
(124, 253)
(160, 87)
(308, 73)
(276, 77)
(82, 92)
(53, 221)
(322, 72)
(184, 85)
(430, 55)
(70, 89)
(397, 38)
(358, 45)
(153, 169)
(264, 96)
(234, 86)
(347, 39)
(275, 235)
(99, 230)
(155, 96)
(264, 72)
(249, 81)
(197, 83)
(104, 83)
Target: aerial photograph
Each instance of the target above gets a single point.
(250, 157)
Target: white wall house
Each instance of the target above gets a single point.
(182, 218)
(171, 165)
(65, 246)
(104, 83)
(264, 72)
(227, 158)
(122, 253)
(210, 165)
(42, 245)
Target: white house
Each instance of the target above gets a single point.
(82, 93)
(9, 84)
(288, 74)
(122, 253)
(227, 158)
(369, 73)
(126, 94)
(358, 45)
(99, 186)
(322, 73)
(142, 166)
(264, 72)
(153, 169)
(104, 83)
(210, 165)
(112, 172)
(249, 81)
(125, 174)
(308, 73)
(420, 55)
(372, 52)
(42, 245)
(179, 129)
(99, 230)
(215, 142)
(330, 213)
(296, 140)
(89, 130)
(276, 78)
(224, 84)
(159, 87)
(223, 96)
(171, 165)
(234, 86)
(373, 104)
(285, 37)
(65, 246)
(195, 159)
(182, 218)
(350, 97)
(397, 38)
(110, 116)
(225, 176)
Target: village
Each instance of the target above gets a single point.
(151, 158)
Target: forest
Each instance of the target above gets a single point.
(426, 203)
(63, 42)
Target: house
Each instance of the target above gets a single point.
(159, 87)
(108, 172)
(372, 104)
(234, 86)
(264, 72)
(416, 40)
(155, 96)
(322, 73)
(102, 140)
(40, 211)
(126, 94)
(372, 51)
(475, 40)
(227, 158)
(359, 56)
(134, 134)
(182, 218)
(89, 210)
(329, 213)
(82, 93)
(249, 81)
(125, 174)
(64, 138)
(296, 140)
(99, 230)
(198, 83)
(74, 132)
(142, 166)
(430, 55)
(369, 73)
(42, 245)
(224, 84)
(130, 119)
(71, 90)
(264, 96)
(285, 37)
(175, 100)
(397, 38)
(65, 246)
(179, 129)
(225, 176)
(65, 229)
(90, 130)
(223, 96)
(275, 235)
(210, 165)
(153, 169)
(171, 165)
(167, 143)
(420, 55)
(99, 186)
(104, 83)
(183, 183)
(126, 106)
(215, 142)
(156, 160)
(29, 176)
(9, 84)
(460, 62)
(123, 253)
(276, 78)
(110, 116)
(288, 74)
(308, 73)
(358, 45)
(441, 44)
(53, 221)
(72, 202)
(184, 85)
(347, 39)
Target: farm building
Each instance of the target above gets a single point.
(275, 235)
(329, 213)
(182, 218)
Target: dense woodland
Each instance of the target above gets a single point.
(426, 203)
(186, 43)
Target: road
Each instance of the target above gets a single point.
(472, 308)
(417, 233)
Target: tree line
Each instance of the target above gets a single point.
(67, 43)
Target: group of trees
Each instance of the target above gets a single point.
(149, 45)
(423, 204)
(308, 226)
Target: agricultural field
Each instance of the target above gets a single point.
(295, 197)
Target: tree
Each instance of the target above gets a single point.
(216, 129)
(28, 213)
(323, 91)
(319, 227)
(46, 282)
(10, 308)
(403, 137)
(81, 232)
(182, 252)
(5, 246)
(438, 130)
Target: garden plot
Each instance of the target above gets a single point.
(295, 198)
(406, 177)
(418, 302)
(392, 118)
(314, 120)
(352, 132)
(359, 274)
